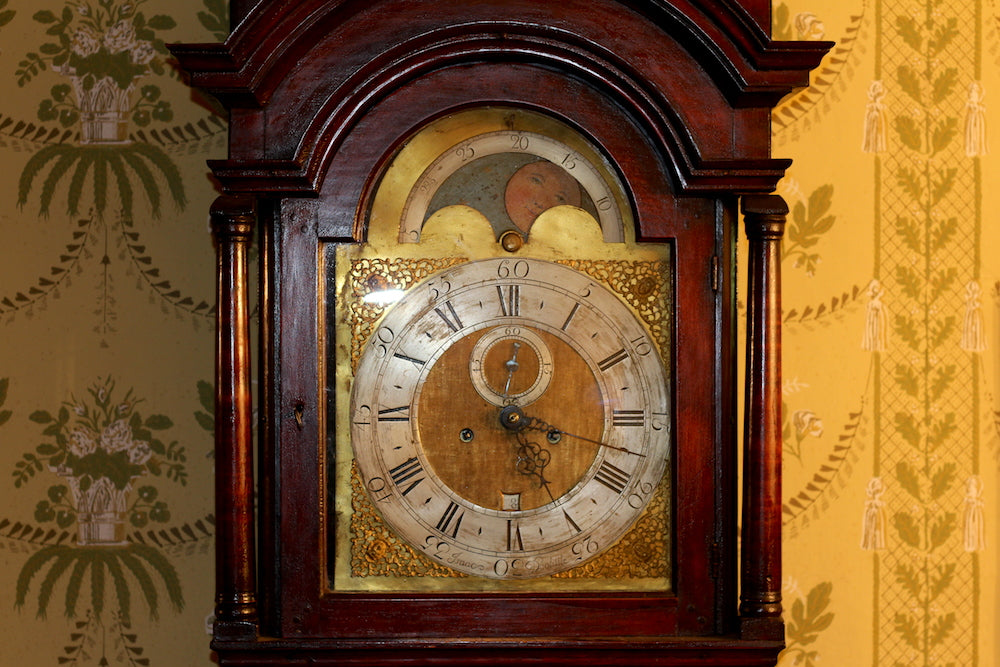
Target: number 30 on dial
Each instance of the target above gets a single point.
(510, 418)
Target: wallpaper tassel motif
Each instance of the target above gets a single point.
(975, 121)
(873, 527)
(974, 532)
(874, 336)
(973, 334)
(875, 124)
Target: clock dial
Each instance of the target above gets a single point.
(508, 418)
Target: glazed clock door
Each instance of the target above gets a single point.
(507, 407)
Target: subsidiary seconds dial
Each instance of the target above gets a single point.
(510, 418)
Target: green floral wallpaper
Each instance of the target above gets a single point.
(106, 305)
(891, 307)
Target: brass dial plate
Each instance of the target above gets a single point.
(581, 475)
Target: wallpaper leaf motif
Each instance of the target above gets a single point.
(810, 220)
(132, 160)
(206, 398)
(137, 558)
(832, 473)
(5, 415)
(804, 622)
(835, 305)
(92, 183)
(6, 15)
(216, 19)
(103, 165)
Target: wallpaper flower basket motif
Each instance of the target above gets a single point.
(103, 51)
(99, 450)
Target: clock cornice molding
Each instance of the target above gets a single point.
(318, 51)
(750, 68)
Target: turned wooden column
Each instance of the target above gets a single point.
(760, 566)
(236, 600)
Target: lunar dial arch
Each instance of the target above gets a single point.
(557, 157)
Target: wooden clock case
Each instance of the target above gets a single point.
(677, 96)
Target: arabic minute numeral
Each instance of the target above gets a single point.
(516, 269)
(384, 337)
(585, 548)
(660, 421)
(379, 489)
(642, 346)
(363, 415)
(439, 287)
(639, 495)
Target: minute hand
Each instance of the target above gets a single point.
(538, 425)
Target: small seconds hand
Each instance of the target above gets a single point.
(511, 365)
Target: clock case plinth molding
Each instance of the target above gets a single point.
(677, 96)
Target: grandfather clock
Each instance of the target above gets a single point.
(497, 351)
